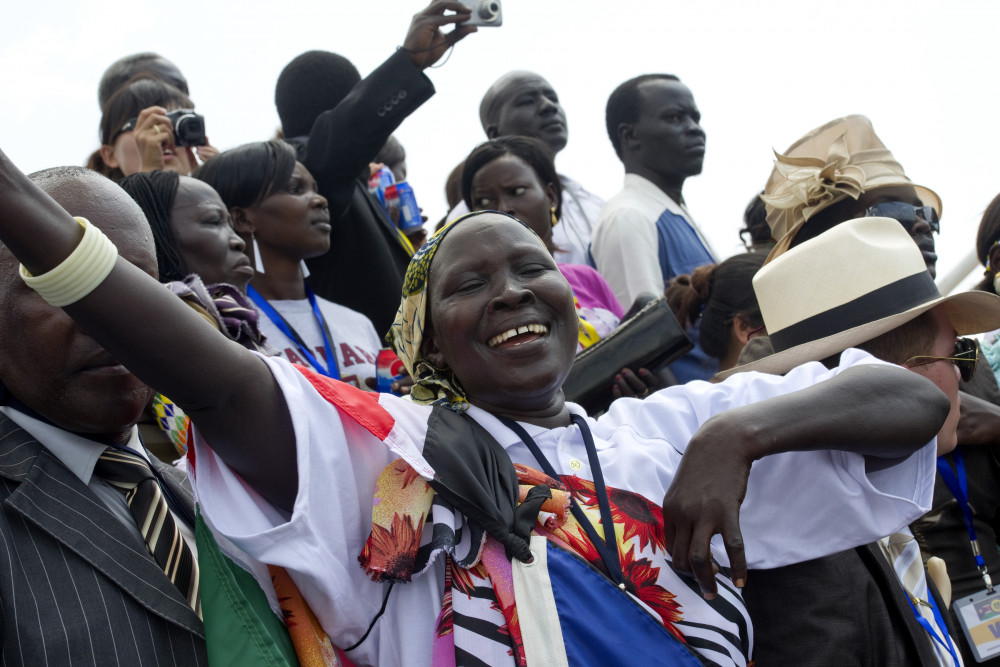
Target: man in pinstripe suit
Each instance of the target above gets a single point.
(77, 584)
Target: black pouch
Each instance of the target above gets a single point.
(651, 338)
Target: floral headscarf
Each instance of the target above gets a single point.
(431, 384)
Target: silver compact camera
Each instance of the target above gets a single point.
(486, 13)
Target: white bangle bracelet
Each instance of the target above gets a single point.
(77, 275)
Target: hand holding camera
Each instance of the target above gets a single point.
(161, 135)
(425, 43)
(486, 13)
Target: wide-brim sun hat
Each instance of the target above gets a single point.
(843, 158)
(848, 285)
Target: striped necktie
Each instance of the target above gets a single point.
(903, 552)
(131, 474)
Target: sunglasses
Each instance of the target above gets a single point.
(127, 127)
(906, 214)
(966, 357)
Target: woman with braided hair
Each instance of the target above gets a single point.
(191, 228)
(200, 257)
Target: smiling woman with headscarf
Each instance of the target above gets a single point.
(467, 500)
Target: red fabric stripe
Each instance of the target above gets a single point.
(361, 406)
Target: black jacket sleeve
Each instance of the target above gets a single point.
(346, 138)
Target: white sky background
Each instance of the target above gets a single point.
(763, 74)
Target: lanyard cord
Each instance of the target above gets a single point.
(959, 487)
(605, 547)
(331, 355)
(946, 640)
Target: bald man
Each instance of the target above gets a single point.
(79, 585)
(522, 103)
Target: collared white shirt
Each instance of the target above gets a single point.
(79, 455)
(643, 238)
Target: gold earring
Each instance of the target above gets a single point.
(552, 212)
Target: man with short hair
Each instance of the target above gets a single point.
(873, 604)
(338, 122)
(645, 235)
(839, 171)
(81, 586)
(148, 63)
(522, 103)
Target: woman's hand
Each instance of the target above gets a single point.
(634, 385)
(401, 387)
(425, 43)
(153, 131)
(704, 499)
(206, 152)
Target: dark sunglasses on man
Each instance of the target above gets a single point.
(906, 214)
(966, 357)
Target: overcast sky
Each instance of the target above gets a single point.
(763, 74)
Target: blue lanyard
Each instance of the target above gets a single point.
(286, 328)
(606, 548)
(959, 487)
(946, 641)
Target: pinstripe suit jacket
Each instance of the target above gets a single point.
(75, 588)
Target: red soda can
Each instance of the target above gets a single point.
(388, 369)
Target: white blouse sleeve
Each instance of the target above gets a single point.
(799, 505)
(338, 464)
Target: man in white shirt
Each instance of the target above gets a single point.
(645, 235)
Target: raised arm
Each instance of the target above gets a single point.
(226, 390)
(875, 410)
(346, 138)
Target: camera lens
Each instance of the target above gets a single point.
(488, 10)
(189, 129)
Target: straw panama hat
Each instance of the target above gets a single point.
(843, 158)
(851, 284)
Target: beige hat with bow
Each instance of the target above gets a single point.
(841, 159)
(848, 285)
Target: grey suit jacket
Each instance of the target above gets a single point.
(75, 588)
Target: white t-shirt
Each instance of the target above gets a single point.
(799, 505)
(352, 335)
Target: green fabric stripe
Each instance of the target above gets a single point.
(240, 627)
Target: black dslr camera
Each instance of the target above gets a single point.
(189, 127)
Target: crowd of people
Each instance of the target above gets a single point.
(200, 463)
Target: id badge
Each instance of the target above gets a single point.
(979, 616)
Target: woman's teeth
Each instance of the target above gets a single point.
(539, 329)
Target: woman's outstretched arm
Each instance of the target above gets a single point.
(226, 390)
(878, 411)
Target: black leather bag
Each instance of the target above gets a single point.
(649, 339)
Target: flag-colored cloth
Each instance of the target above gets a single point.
(483, 612)
(242, 628)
